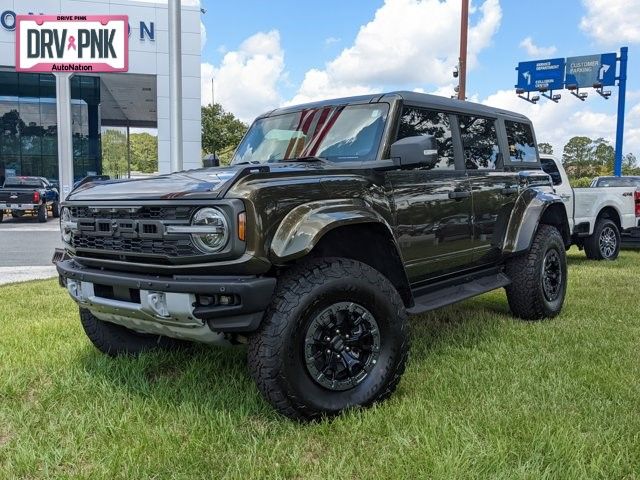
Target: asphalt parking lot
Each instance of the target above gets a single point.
(26, 248)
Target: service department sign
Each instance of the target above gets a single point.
(72, 43)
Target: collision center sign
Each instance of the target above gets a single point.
(72, 43)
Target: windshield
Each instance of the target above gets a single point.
(619, 182)
(338, 133)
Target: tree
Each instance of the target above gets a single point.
(144, 152)
(630, 165)
(221, 131)
(114, 153)
(603, 156)
(545, 148)
(577, 156)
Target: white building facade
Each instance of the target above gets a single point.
(138, 98)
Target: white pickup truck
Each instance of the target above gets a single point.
(597, 215)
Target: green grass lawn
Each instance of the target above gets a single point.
(484, 396)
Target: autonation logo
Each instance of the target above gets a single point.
(147, 30)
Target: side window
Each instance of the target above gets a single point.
(479, 142)
(550, 168)
(521, 146)
(419, 121)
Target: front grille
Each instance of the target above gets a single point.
(134, 213)
(165, 247)
(131, 233)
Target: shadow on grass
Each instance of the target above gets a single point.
(217, 377)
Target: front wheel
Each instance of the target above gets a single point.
(539, 277)
(604, 244)
(334, 337)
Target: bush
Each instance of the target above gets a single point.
(580, 182)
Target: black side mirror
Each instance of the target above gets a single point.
(415, 152)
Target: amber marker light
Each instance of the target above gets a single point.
(242, 225)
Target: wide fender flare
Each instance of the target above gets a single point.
(525, 218)
(304, 226)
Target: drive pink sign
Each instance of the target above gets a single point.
(72, 43)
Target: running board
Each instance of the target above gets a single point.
(456, 293)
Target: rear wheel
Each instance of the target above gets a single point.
(1, 215)
(42, 213)
(334, 337)
(539, 277)
(115, 340)
(55, 210)
(604, 244)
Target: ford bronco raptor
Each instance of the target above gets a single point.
(334, 222)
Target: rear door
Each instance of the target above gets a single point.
(433, 205)
(494, 190)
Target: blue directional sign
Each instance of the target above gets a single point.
(541, 75)
(590, 70)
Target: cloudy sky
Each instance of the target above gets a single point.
(266, 53)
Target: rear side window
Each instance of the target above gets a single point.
(479, 142)
(522, 149)
(419, 121)
(551, 169)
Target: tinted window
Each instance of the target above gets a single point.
(479, 142)
(521, 146)
(418, 121)
(618, 182)
(23, 182)
(551, 169)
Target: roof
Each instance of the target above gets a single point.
(424, 99)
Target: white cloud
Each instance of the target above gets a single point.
(612, 22)
(535, 51)
(408, 43)
(557, 123)
(246, 81)
(331, 40)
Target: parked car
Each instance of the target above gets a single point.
(335, 221)
(626, 181)
(598, 215)
(35, 195)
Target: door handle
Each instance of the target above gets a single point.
(509, 191)
(459, 194)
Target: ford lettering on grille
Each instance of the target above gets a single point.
(117, 228)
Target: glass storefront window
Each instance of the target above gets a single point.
(28, 124)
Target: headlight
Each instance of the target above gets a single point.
(209, 230)
(66, 225)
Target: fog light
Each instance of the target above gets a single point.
(226, 300)
(158, 303)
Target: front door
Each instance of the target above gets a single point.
(432, 206)
(494, 191)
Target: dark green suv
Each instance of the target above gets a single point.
(335, 221)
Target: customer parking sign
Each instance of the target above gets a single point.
(72, 43)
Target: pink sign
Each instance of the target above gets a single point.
(72, 43)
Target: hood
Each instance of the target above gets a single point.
(209, 182)
(205, 183)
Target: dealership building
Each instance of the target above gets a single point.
(136, 99)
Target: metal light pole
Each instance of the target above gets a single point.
(175, 83)
(464, 27)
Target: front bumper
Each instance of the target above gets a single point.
(190, 307)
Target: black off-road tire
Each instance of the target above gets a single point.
(115, 340)
(605, 242)
(276, 354)
(43, 215)
(526, 294)
(55, 210)
(1, 215)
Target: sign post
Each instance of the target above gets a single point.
(622, 93)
